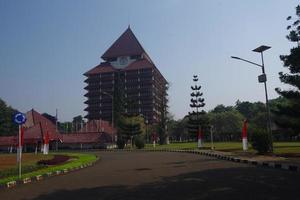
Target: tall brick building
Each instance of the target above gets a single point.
(125, 60)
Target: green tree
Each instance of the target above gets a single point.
(7, 127)
(164, 117)
(118, 98)
(65, 127)
(77, 123)
(221, 108)
(197, 120)
(130, 127)
(291, 110)
(227, 125)
(250, 110)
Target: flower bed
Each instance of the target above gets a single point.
(56, 160)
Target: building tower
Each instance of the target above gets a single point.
(142, 81)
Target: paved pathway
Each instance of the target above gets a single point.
(162, 175)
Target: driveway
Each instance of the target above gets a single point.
(162, 175)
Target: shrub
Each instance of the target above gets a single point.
(120, 143)
(139, 142)
(56, 160)
(261, 141)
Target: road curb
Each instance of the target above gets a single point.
(40, 177)
(282, 166)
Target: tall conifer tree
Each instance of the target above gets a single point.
(197, 102)
(290, 112)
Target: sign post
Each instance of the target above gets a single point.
(20, 118)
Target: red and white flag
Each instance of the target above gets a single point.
(200, 135)
(244, 135)
(46, 143)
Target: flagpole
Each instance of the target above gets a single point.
(20, 153)
(56, 115)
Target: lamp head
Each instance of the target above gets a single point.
(261, 48)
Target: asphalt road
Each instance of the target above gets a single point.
(161, 175)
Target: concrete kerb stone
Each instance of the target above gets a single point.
(293, 168)
(228, 158)
(39, 177)
(234, 159)
(253, 162)
(26, 180)
(42, 176)
(11, 184)
(49, 174)
(286, 167)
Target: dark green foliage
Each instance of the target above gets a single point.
(227, 122)
(289, 113)
(139, 142)
(178, 129)
(261, 141)
(7, 127)
(221, 108)
(56, 160)
(121, 142)
(250, 110)
(162, 124)
(227, 125)
(119, 101)
(197, 120)
(129, 127)
(65, 127)
(77, 123)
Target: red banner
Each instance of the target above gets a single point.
(200, 134)
(244, 131)
(46, 138)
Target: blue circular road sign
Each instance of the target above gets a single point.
(19, 118)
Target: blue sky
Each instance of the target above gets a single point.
(46, 46)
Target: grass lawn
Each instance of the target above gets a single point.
(31, 160)
(193, 145)
(280, 148)
(10, 160)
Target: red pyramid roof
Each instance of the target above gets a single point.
(36, 119)
(8, 140)
(93, 137)
(107, 67)
(126, 45)
(101, 68)
(97, 126)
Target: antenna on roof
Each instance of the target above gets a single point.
(56, 115)
(128, 19)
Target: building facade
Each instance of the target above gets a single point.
(126, 67)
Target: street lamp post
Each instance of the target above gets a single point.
(112, 114)
(262, 79)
